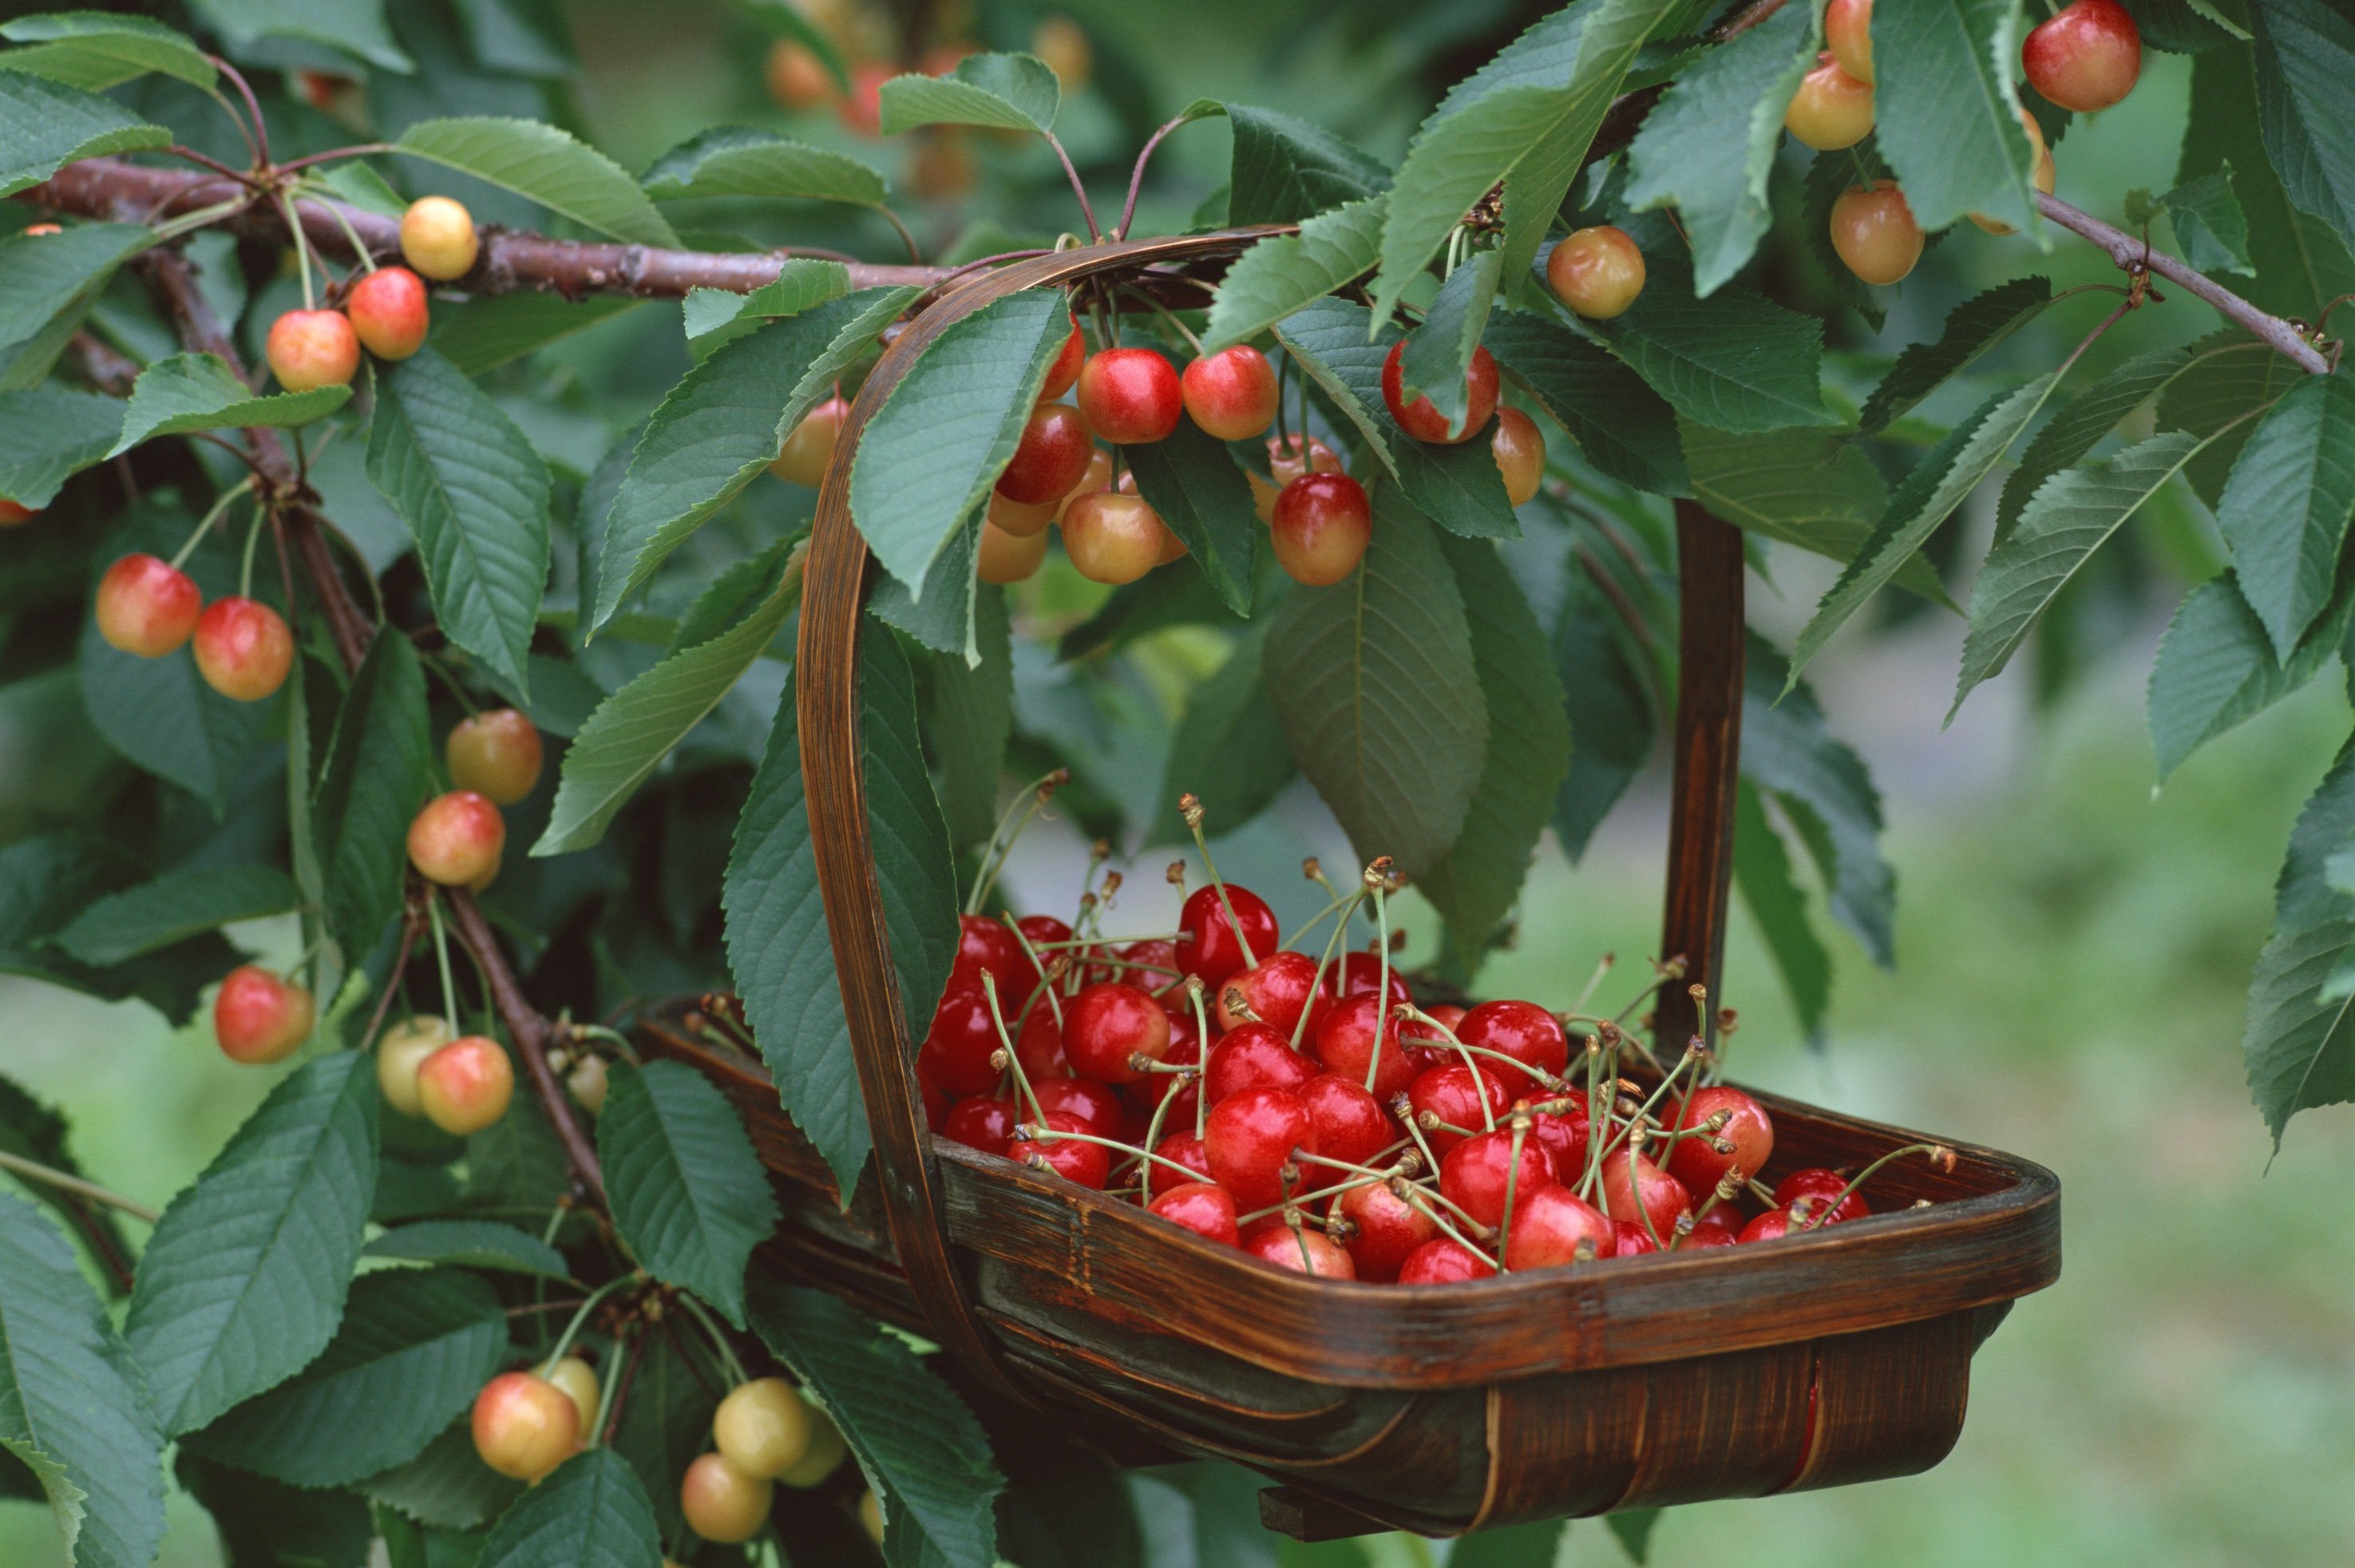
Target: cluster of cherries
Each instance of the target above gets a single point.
(384, 310)
(1311, 1113)
(2083, 58)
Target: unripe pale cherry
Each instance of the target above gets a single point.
(1232, 394)
(1848, 33)
(398, 1052)
(721, 1502)
(1112, 538)
(1050, 458)
(1130, 396)
(243, 648)
(2087, 57)
(1521, 450)
(1596, 272)
(587, 1081)
(525, 1426)
(388, 313)
(11, 514)
(826, 1450)
(2044, 178)
(1322, 525)
(146, 606)
(465, 1086)
(495, 753)
(810, 447)
(1097, 479)
(308, 349)
(578, 1379)
(1874, 232)
(456, 838)
(1831, 110)
(763, 1427)
(1064, 369)
(438, 238)
(1002, 557)
(1285, 463)
(870, 1516)
(1422, 421)
(260, 1019)
(1022, 522)
(796, 78)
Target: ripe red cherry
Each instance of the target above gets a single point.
(1112, 538)
(1696, 1163)
(984, 1122)
(1255, 1056)
(525, 1426)
(1632, 1239)
(1046, 934)
(387, 312)
(1095, 1106)
(12, 513)
(1475, 1174)
(1522, 1030)
(1563, 1137)
(146, 606)
(1420, 419)
(1772, 1225)
(1345, 1044)
(1277, 990)
(1426, 1047)
(1389, 1228)
(1444, 1262)
(1350, 1123)
(308, 349)
(1520, 452)
(986, 944)
(1822, 1186)
(497, 754)
(243, 648)
(1321, 527)
(1208, 944)
(2087, 57)
(937, 1099)
(1848, 30)
(1706, 1236)
(1230, 394)
(1085, 1163)
(1648, 1191)
(259, 1018)
(1548, 1228)
(465, 1085)
(457, 840)
(1286, 465)
(1453, 1093)
(1129, 395)
(1597, 272)
(1050, 459)
(1873, 230)
(1106, 1024)
(1304, 1250)
(1064, 369)
(1250, 1138)
(1831, 110)
(1361, 975)
(957, 1046)
(810, 448)
(1039, 1046)
(1201, 1208)
(1178, 1148)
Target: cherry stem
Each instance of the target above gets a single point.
(1013, 1058)
(1086, 210)
(1586, 993)
(1416, 1015)
(442, 958)
(302, 247)
(1153, 1141)
(1202, 1054)
(261, 137)
(580, 1318)
(1045, 987)
(1165, 313)
(1512, 1182)
(252, 540)
(1718, 1194)
(193, 157)
(333, 154)
(1417, 1198)
(1313, 1195)
(351, 235)
(212, 517)
(610, 1396)
(1332, 944)
(1594, 1134)
(64, 1182)
(915, 251)
(993, 859)
(1824, 1214)
(1191, 809)
(1693, 1055)
(1382, 1014)
(1137, 174)
(1040, 1133)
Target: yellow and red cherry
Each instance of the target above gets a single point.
(1596, 272)
(1847, 32)
(1004, 558)
(465, 1085)
(1130, 396)
(12, 513)
(243, 648)
(1831, 110)
(1424, 421)
(455, 840)
(1064, 369)
(525, 1426)
(1062, 43)
(825, 1454)
(1050, 459)
(1321, 527)
(438, 238)
(146, 606)
(399, 1052)
(861, 109)
(497, 753)
(308, 349)
(1230, 394)
(810, 447)
(1285, 463)
(1873, 231)
(721, 1502)
(260, 1019)
(763, 1427)
(2087, 57)
(389, 311)
(578, 1379)
(796, 78)
(1520, 450)
(1112, 538)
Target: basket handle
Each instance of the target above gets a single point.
(1708, 745)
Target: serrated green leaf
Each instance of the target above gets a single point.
(48, 284)
(1633, 1531)
(475, 493)
(2305, 59)
(801, 283)
(971, 714)
(1822, 785)
(414, 1348)
(1946, 115)
(379, 769)
(1229, 718)
(2300, 261)
(1972, 327)
(2300, 1047)
(1763, 875)
(1188, 478)
(544, 164)
(1285, 271)
(519, 37)
(944, 619)
(198, 392)
(1620, 425)
(1286, 170)
(1010, 91)
(173, 907)
(45, 125)
(666, 1421)
(1439, 351)
(97, 49)
(689, 1197)
(267, 1524)
(490, 330)
(46, 435)
(918, 1445)
(2286, 507)
(592, 1513)
(735, 593)
(243, 1281)
(1805, 487)
(447, 1486)
(928, 457)
(2216, 668)
(1735, 361)
(71, 1406)
(2214, 395)
(2077, 428)
(470, 1244)
(1374, 681)
(731, 160)
(357, 27)
(31, 1130)
(2210, 227)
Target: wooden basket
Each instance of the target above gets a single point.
(1840, 1356)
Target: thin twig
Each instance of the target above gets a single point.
(1086, 210)
(35, 1170)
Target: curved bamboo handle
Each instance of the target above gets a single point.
(1708, 749)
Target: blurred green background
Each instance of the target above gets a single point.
(2073, 948)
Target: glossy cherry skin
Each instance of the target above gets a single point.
(1255, 1056)
(1130, 396)
(389, 311)
(937, 1099)
(1772, 1225)
(1873, 230)
(1822, 1186)
(1202, 1208)
(1350, 1123)
(1046, 934)
(1277, 990)
(810, 446)
(1563, 1135)
(1388, 1229)
(1701, 1236)
(1831, 110)
(1305, 1251)
(146, 606)
(525, 1426)
(1178, 1148)
(243, 648)
(1519, 448)
(259, 1018)
(1522, 1030)
(1847, 32)
(2087, 57)
(1107, 1024)
(721, 1502)
(984, 1122)
(1455, 1093)
(1112, 538)
(1548, 1228)
(1050, 459)
(1597, 272)
(438, 238)
(1345, 1044)
(1185, 1050)
(455, 840)
(1361, 975)
(1206, 941)
(398, 1052)
(1039, 1046)
(1443, 1261)
(1002, 557)
(1627, 1183)
(1285, 463)
(1248, 1139)
(1426, 1047)
(1420, 419)
(986, 944)
(1094, 482)
(1064, 369)
(497, 754)
(1230, 394)
(1094, 1106)
(957, 1047)
(1632, 1239)
(1085, 1163)
(1321, 527)
(308, 349)
(1475, 1174)
(465, 1085)
(1696, 1163)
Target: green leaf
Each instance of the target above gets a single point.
(972, 712)
(1632, 1530)
(546, 165)
(1822, 785)
(1762, 874)
(447, 1486)
(1010, 91)
(1190, 479)
(1620, 425)
(2210, 227)
(97, 49)
(592, 1513)
(46, 435)
(731, 160)
(470, 1244)
(2301, 261)
(1286, 170)
(1735, 361)
(1706, 148)
(31, 1130)
(2216, 668)
(45, 125)
(491, 330)
(801, 283)
(475, 492)
(2077, 428)
(71, 1405)
(735, 593)
(1439, 352)
(777, 940)
(1473, 886)
(723, 425)
(198, 392)
(2285, 508)
(1228, 749)
(354, 25)
(1374, 681)
(918, 1445)
(1972, 327)
(635, 729)
(2073, 515)
(1285, 272)
(1805, 487)
(2300, 1047)
(1946, 115)
(690, 1200)
(243, 1281)
(2305, 59)
(1610, 716)
(1937, 485)
(1514, 1546)
(414, 1348)
(173, 907)
(48, 284)
(379, 769)
(928, 457)
(2214, 395)
(265, 1523)
(944, 619)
